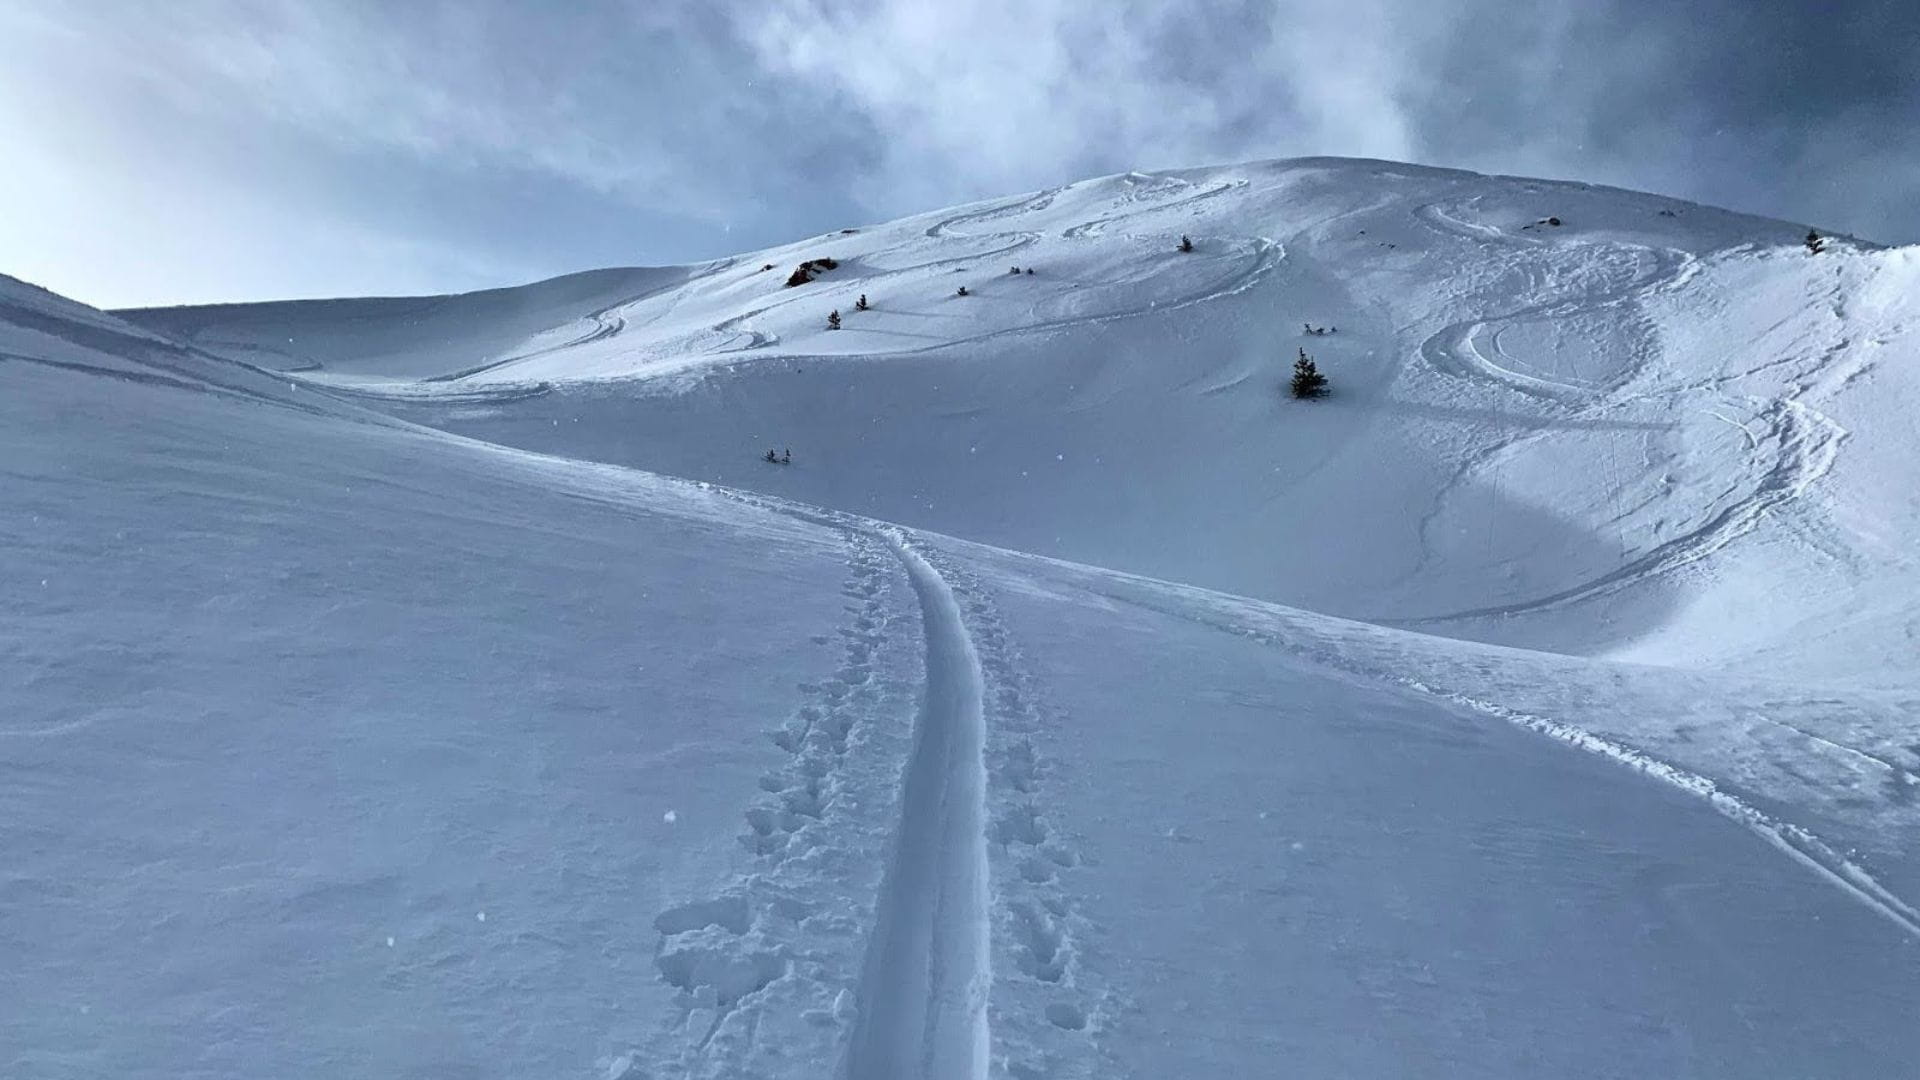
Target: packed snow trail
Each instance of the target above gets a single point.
(923, 997)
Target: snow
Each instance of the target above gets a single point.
(446, 686)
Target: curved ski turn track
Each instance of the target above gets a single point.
(923, 995)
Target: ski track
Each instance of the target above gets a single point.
(1264, 254)
(773, 939)
(1807, 441)
(923, 996)
(1048, 1008)
(1025, 204)
(1453, 349)
(1796, 842)
(1098, 225)
(1027, 926)
(1808, 444)
(606, 324)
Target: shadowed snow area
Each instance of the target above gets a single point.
(448, 686)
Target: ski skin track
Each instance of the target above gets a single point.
(924, 988)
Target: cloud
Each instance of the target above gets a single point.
(485, 141)
(999, 94)
(1759, 106)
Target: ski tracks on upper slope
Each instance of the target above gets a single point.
(1472, 347)
(1793, 447)
(1098, 226)
(1803, 443)
(1025, 204)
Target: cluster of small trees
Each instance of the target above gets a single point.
(833, 317)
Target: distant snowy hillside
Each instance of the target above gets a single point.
(1537, 705)
(1540, 434)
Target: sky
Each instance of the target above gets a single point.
(213, 150)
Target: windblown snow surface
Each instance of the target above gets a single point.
(447, 687)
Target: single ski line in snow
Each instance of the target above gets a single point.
(1798, 843)
(923, 994)
(1795, 841)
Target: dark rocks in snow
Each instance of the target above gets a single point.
(805, 271)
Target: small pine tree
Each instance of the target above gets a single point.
(1186, 242)
(860, 304)
(962, 292)
(833, 319)
(1307, 380)
(1815, 242)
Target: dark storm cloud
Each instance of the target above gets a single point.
(219, 148)
(1801, 111)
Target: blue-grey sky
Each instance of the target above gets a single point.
(201, 150)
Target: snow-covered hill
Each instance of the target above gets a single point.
(1074, 705)
(1527, 417)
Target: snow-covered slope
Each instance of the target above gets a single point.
(1528, 418)
(342, 746)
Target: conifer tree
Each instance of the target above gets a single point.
(1815, 242)
(1186, 243)
(833, 319)
(1307, 380)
